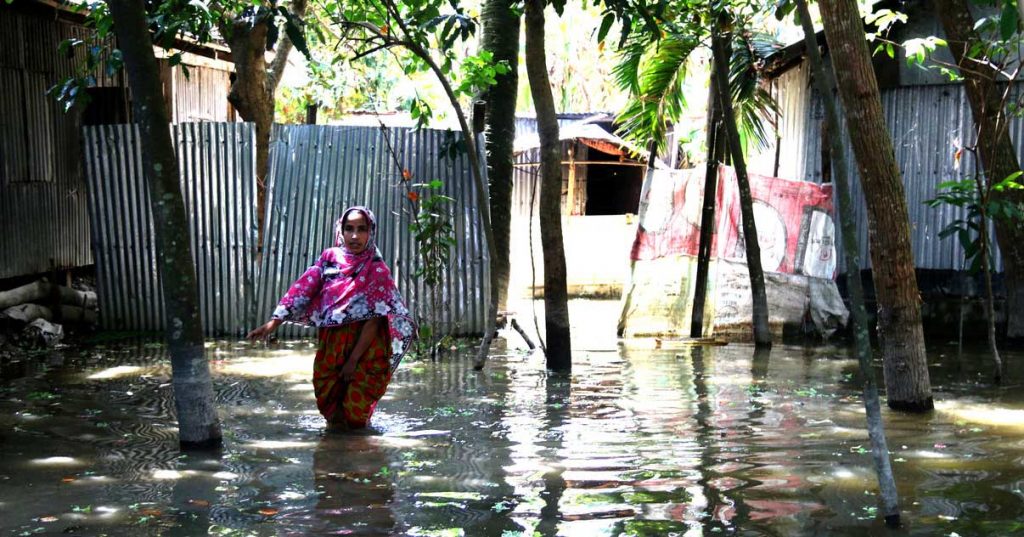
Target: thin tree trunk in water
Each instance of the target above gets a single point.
(990, 308)
(872, 406)
(762, 332)
(501, 37)
(198, 426)
(478, 181)
(899, 303)
(556, 310)
(716, 154)
(998, 157)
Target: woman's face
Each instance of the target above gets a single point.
(355, 231)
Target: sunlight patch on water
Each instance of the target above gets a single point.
(279, 444)
(115, 372)
(291, 363)
(843, 473)
(925, 454)
(983, 414)
(58, 461)
(166, 474)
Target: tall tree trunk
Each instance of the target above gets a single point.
(716, 154)
(998, 157)
(872, 406)
(556, 309)
(198, 425)
(501, 37)
(254, 86)
(899, 301)
(762, 332)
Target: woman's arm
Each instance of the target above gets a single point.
(366, 334)
(264, 331)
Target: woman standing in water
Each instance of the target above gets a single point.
(364, 327)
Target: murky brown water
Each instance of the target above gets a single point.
(637, 441)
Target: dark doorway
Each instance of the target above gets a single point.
(107, 106)
(612, 188)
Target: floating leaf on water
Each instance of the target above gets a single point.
(268, 511)
(149, 511)
(199, 503)
(48, 519)
(452, 495)
(68, 479)
(81, 509)
(430, 532)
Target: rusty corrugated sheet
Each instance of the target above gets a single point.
(316, 171)
(217, 165)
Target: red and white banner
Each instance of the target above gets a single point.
(793, 218)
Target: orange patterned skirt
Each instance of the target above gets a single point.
(350, 403)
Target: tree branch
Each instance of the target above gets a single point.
(284, 46)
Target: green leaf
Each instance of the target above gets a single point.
(606, 25)
(1008, 20)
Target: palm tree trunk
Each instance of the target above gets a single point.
(556, 309)
(501, 37)
(899, 303)
(862, 341)
(762, 332)
(998, 157)
(198, 426)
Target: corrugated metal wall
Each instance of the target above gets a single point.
(43, 205)
(927, 124)
(317, 171)
(217, 163)
(202, 95)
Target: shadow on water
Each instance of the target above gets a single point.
(636, 441)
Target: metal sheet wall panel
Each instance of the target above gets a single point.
(217, 164)
(13, 162)
(927, 125)
(39, 110)
(202, 96)
(317, 171)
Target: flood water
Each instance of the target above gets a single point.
(636, 441)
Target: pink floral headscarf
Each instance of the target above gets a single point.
(344, 287)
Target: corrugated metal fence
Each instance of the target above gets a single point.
(315, 171)
(927, 124)
(217, 163)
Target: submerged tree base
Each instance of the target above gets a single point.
(916, 407)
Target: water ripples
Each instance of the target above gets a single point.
(635, 442)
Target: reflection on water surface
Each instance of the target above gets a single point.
(693, 441)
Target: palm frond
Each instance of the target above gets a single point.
(627, 71)
(755, 107)
(657, 97)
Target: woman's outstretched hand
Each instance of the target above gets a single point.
(263, 332)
